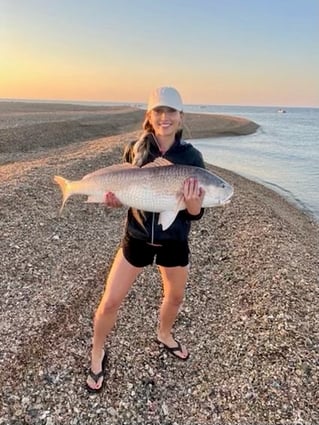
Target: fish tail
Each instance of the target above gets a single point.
(65, 189)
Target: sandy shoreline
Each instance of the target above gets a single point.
(250, 318)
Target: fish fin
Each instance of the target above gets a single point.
(158, 162)
(166, 218)
(64, 186)
(111, 168)
(138, 215)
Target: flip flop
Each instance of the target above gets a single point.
(173, 350)
(97, 376)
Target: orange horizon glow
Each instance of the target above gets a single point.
(57, 81)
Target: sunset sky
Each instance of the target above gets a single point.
(238, 52)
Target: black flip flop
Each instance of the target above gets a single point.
(173, 350)
(97, 376)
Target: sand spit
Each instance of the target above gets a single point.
(250, 318)
(27, 127)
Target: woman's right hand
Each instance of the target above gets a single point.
(111, 200)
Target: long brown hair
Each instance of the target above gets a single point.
(141, 148)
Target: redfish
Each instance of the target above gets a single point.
(155, 187)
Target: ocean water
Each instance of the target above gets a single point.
(283, 154)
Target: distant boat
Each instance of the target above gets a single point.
(281, 111)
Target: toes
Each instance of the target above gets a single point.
(94, 385)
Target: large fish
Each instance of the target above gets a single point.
(156, 187)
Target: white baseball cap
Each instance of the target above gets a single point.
(165, 96)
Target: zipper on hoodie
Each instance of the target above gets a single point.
(153, 214)
(153, 228)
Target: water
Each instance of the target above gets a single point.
(283, 154)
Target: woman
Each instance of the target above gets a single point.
(143, 245)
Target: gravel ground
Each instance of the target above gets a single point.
(250, 317)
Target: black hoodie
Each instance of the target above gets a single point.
(180, 152)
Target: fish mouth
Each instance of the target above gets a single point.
(229, 195)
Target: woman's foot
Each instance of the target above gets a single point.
(96, 376)
(172, 346)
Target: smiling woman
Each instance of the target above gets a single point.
(145, 241)
(163, 118)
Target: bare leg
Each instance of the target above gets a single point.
(174, 282)
(120, 279)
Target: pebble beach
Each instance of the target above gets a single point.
(250, 316)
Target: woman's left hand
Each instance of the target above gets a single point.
(193, 196)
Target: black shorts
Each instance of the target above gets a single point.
(170, 254)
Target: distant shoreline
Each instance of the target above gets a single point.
(141, 105)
